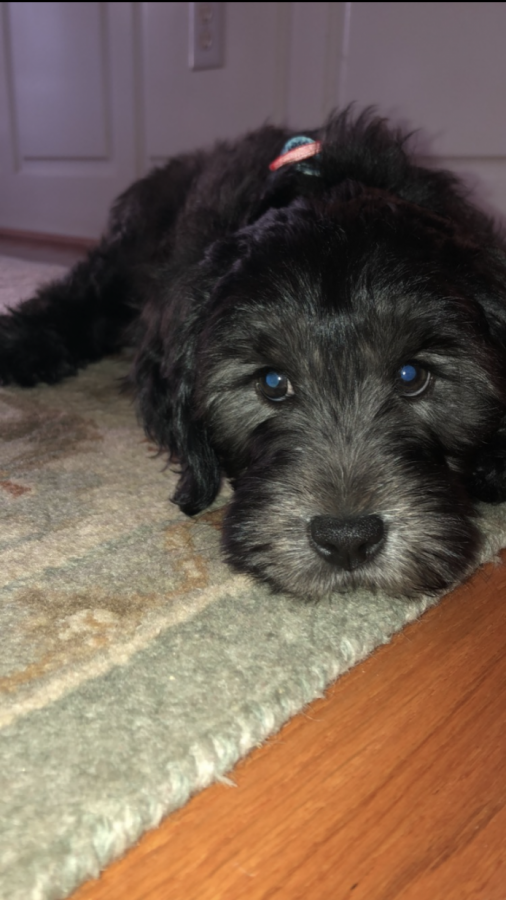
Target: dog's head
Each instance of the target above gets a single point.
(346, 376)
(341, 359)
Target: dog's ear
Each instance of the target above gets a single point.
(164, 377)
(200, 477)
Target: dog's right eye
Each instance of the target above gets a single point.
(274, 385)
(413, 379)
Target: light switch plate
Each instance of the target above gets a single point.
(206, 35)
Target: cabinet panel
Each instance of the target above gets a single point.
(58, 78)
(67, 114)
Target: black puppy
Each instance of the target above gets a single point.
(323, 321)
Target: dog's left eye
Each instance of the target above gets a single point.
(413, 379)
(274, 385)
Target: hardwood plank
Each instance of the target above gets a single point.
(30, 245)
(393, 786)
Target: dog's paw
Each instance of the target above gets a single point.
(28, 356)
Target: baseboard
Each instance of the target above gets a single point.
(53, 240)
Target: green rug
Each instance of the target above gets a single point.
(136, 667)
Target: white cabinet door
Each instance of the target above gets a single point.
(67, 143)
(95, 94)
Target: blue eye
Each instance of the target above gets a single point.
(413, 379)
(408, 374)
(273, 380)
(274, 385)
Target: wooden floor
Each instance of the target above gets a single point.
(393, 786)
(57, 250)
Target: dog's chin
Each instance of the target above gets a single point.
(314, 583)
(402, 569)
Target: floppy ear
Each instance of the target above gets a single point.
(201, 476)
(164, 377)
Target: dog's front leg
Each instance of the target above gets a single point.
(68, 323)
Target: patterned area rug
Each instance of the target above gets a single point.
(136, 668)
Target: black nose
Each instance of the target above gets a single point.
(347, 543)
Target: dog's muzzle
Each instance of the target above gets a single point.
(347, 543)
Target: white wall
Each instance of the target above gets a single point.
(93, 94)
(183, 109)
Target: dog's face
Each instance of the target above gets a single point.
(346, 375)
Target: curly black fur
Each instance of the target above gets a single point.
(220, 271)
